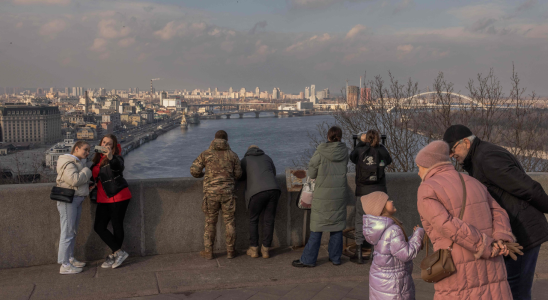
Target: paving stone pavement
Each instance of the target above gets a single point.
(187, 276)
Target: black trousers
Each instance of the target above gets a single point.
(115, 213)
(266, 201)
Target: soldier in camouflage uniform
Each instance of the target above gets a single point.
(222, 169)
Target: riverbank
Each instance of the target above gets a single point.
(129, 146)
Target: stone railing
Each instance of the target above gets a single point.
(164, 216)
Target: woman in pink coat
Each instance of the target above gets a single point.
(480, 232)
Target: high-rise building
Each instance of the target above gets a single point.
(102, 92)
(230, 91)
(66, 91)
(301, 95)
(30, 124)
(275, 93)
(242, 92)
(313, 94)
(326, 93)
(51, 90)
(257, 92)
(307, 93)
(352, 96)
(74, 91)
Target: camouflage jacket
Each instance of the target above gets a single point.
(222, 168)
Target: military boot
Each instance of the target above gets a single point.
(231, 252)
(264, 251)
(207, 253)
(253, 252)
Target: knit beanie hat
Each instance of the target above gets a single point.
(433, 153)
(374, 203)
(455, 133)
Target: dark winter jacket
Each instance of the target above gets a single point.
(364, 189)
(260, 172)
(111, 185)
(523, 198)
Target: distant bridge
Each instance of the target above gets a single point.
(402, 101)
(257, 113)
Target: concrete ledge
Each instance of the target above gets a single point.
(164, 217)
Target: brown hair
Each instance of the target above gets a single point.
(398, 222)
(334, 134)
(221, 134)
(78, 144)
(97, 156)
(372, 137)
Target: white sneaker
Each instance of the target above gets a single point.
(76, 263)
(108, 262)
(119, 258)
(70, 269)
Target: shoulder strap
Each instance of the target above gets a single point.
(463, 197)
(426, 238)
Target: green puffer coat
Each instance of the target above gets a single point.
(328, 166)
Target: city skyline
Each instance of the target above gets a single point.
(289, 44)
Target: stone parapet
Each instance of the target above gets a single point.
(164, 216)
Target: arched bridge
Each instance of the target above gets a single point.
(472, 101)
(445, 93)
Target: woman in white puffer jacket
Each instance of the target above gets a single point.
(72, 173)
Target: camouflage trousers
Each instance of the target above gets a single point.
(211, 206)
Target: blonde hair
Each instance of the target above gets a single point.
(78, 144)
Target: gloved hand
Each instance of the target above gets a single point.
(514, 248)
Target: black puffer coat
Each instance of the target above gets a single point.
(361, 189)
(523, 198)
(260, 172)
(111, 176)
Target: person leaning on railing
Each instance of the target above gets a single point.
(113, 197)
(72, 173)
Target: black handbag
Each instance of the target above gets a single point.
(62, 194)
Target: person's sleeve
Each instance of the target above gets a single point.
(117, 163)
(243, 164)
(237, 167)
(74, 177)
(460, 232)
(503, 172)
(501, 222)
(313, 165)
(402, 250)
(273, 166)
(198, 166)
(354, 156)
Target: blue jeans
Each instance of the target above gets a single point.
(521, 273)
(70, 218)
(310, 254)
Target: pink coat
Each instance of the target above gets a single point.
(439, 202)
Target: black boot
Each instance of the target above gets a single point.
(359, 254)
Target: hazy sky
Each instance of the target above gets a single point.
(287, 44)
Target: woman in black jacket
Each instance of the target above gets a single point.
(113, 197)
(371, 158)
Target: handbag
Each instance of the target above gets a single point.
(62, 194)
(439, 264)
(304, 201)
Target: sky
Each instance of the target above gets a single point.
(288, 44)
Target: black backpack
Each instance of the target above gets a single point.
(368, 170)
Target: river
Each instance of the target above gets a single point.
(171, 154)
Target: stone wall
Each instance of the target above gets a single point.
(164, 216)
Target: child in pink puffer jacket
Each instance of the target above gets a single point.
(390, 274)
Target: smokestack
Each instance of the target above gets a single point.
(360, 83)
(86, 103)
(151, 89)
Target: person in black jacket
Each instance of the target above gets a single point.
(523, 199)
(370, 157)
(261, 194)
